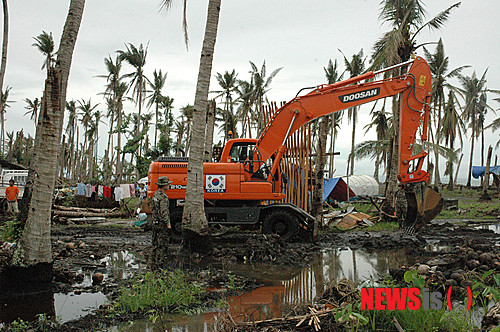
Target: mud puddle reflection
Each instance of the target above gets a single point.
(286, 286)
(82, 300)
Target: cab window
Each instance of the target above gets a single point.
(240, 151)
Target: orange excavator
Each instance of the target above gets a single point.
(239, 187)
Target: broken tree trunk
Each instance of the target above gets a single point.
(486, 179)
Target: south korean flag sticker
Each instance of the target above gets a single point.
(215, 183)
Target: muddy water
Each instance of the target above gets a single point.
(75, 304)
(286, 286)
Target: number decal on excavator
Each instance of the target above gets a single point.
(215, 183)
(422, 80)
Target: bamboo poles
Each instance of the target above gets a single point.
(296, 163)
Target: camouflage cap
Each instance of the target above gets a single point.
(163, 181)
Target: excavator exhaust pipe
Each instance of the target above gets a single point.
(423, 205)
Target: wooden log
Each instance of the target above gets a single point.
(81, 214)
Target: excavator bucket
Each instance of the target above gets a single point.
(423, 205)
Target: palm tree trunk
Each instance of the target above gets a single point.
(209, 135)
(3, 66)
(156, 124)
(194, 222)
(354, 119)
(393, 161)
(119, 164)
(34, 246)
(317, 199)
(470, 159)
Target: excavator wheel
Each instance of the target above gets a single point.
(423, 205)
(280, 222)
(176, 224)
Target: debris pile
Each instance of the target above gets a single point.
(75, 215)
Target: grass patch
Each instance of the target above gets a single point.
(472, 209)
(421, 320)
(169, 291)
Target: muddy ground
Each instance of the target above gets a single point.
(451, 251)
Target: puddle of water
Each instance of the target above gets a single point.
(70, 306)
(493, 227)
(288, 286)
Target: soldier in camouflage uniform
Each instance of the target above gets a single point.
(161, 224)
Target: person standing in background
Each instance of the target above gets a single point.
(11, 192)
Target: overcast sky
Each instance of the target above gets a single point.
(300, 36)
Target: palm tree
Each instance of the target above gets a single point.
(156, 95)
(407, 20)
(86, 109)
(34, 247)
(244, 90)
(471, 90)
(45, 44)
(451, 127)
(332, 76)
(228, 83)
(71, 132)
(494, 126)
(381, 124)
(136, 57)
(438, 64)
(5, 42)
(355, 67)
(261, 86)
(194, 222)
(32, 106)
(4, 96)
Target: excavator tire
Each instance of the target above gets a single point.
(423, 204)
(281, 222)
(176, 224)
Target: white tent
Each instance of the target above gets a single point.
(362, 185)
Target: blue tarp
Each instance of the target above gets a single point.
(336, 189)
(478, 171)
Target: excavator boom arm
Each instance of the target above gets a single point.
(415, 88)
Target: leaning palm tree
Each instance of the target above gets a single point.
(471, 90)
(406, 17)
(355, 67)
(45, 44)
(194, 222)
(261, 85)
(34, 247)
(136, 57)
(438, 63)
(156, 96)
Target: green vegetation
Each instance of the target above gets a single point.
(168, 291)
(485, 288)
(10, 231)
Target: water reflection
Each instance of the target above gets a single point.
(493, 227)
(26, 306)
(288, 286)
